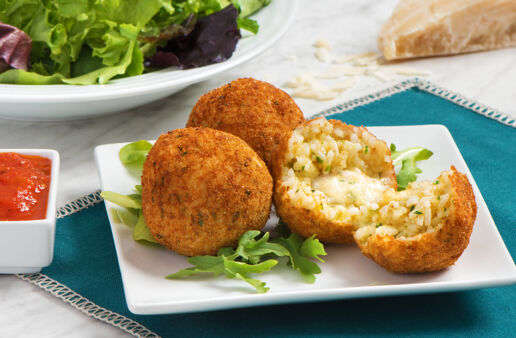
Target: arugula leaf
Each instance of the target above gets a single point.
(241, 270)
(252, 250)
(232, 269)
(408, 159)
(203, 264)
(252, 255)
(311, 247)
(133, 155)
(228, 251)
(307, 268)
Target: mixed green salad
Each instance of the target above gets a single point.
(257, 251)
(85, 42)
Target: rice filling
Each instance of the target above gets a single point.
(340, 173)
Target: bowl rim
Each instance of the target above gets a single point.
(53, 155)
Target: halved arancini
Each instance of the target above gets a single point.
(337, 182)
(322, 170)
(423, 228)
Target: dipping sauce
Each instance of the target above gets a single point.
(24, 186)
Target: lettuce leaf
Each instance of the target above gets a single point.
(15, 47)
(133, 155)
(84, 42)
(213, 39)
(248, 7)
(248, 24)
(62, 30)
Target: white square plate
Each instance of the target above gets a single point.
(345, 274)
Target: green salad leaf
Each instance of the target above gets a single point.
(71, 36)
(300, 250)
(125, 201)
(248, 7)
(255, 254)
(127, 216)
(83, 42)
(408, 159)
(248, 24)
(141, 231)
(132, 215)
(133, 155)
(241, 270)
(252, 250)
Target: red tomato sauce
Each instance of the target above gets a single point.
(24, 185)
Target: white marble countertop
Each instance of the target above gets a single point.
(349, 26)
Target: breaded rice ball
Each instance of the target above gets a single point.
(322, 171)
(340, 179)
(202, 189)
(256, 111)
(423, 228)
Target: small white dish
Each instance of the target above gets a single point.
(346, 272)
(66, 102)
(28, 246)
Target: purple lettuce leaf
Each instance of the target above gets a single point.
(15, 48)
(212, 40)
(172, 31)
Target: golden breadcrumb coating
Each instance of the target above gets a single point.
(202, 189)
(256, 111)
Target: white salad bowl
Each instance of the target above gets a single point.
(68, 102)
(28, 246)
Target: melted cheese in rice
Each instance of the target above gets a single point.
(350, 187)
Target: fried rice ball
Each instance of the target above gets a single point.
(427, 226)
(256, 111)
(323, 154)
(202, 189)
(337, 181)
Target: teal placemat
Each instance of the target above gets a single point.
(85, 271)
